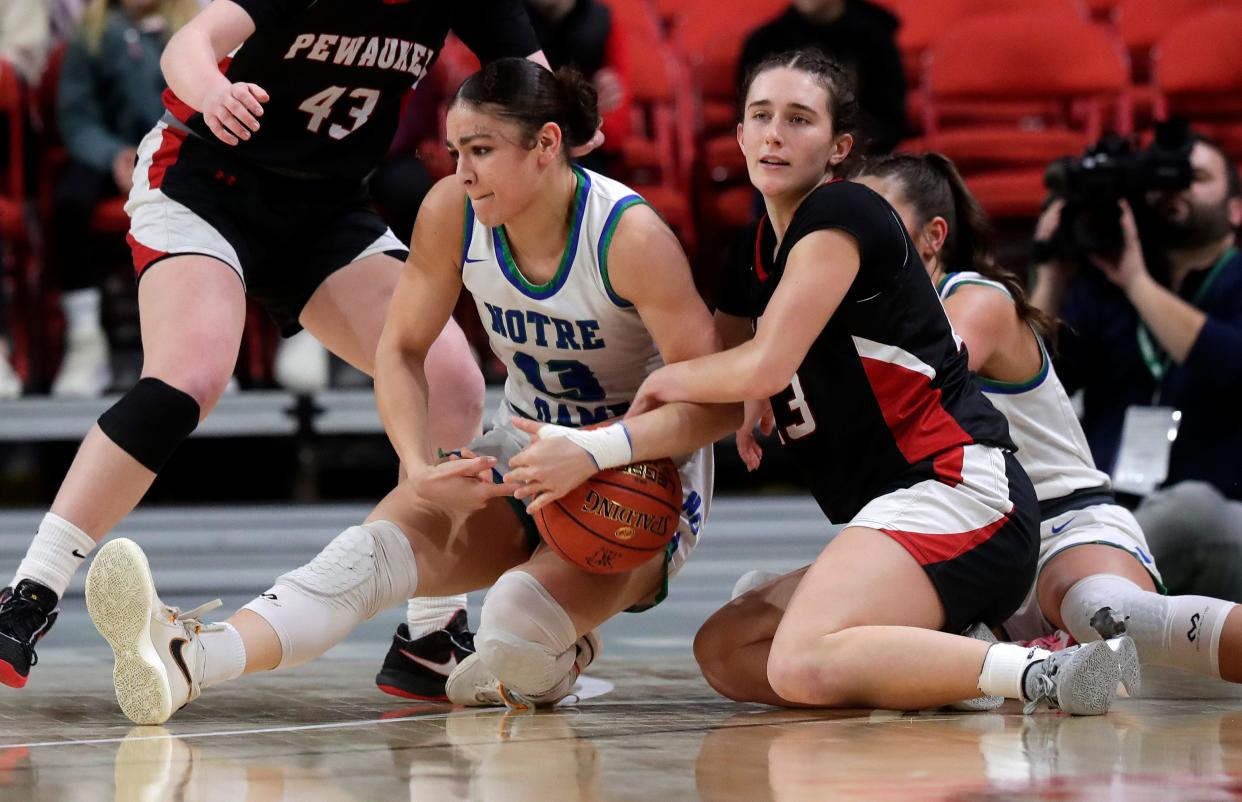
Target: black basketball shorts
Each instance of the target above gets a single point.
(283, 235)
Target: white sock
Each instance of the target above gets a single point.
(55, 554)
(1179, 631)
(81, 309)
(426, 614)
(224, 653)
(1005, 667)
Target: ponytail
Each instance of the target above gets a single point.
(934, 188)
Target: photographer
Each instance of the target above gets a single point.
(1154, 340)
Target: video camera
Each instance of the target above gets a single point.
(1093, 185)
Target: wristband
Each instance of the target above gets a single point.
(609, 446)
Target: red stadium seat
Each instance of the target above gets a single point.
(17, 260)
(1038, 91)
(659, 149)
(1197, 71)
(924, 22)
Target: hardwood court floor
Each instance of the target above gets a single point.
(323, 732)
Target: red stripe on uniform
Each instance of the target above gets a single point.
(931, 549)
(920, 426)
(178, 107)
(948, 466)
(165, 156)
(143, 256)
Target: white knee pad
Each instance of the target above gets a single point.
(526, 639)
(1179, 631)
(364, 570)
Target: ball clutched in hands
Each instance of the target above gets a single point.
(616, 520)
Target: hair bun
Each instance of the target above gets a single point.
(581, 106)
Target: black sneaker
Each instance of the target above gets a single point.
(27, 612)
(418, 669)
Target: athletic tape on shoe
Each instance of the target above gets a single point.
(150, 421)
(609, 446)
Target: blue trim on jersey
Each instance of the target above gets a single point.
(510, 268)
(994, 386)
(468, 237)
(605, 242)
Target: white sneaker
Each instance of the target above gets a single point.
(301, 363)
(751, 580)
(1082, 680)
(474, 685)
(10, 382)
(159, 658)
(86, 370)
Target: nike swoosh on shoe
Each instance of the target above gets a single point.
(444, 668)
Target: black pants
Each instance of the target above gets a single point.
(80, 190)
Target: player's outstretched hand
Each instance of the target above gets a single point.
(758, 413)
(234, 112)
(548, 468)
(460, 484)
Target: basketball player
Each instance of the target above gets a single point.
(584, 291)
(254, 184)
(1096, 575)
(871, 394)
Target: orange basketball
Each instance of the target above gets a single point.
(616, 520)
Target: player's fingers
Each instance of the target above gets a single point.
(233, 125)
(531, 427)
(248, 97)
(520, 475)
(766, 422)
(258, 93)
(493, 490)
(465, 467)
(220, 131)
(239, 110)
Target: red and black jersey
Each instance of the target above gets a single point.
(336, 71)
(883, 398)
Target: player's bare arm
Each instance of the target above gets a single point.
(231, 110)
(421, 306)
(804, 301)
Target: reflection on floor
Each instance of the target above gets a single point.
(322, 732)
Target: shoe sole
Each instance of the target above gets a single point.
(392, 689)
(1087, 684)
(1128, 658)
(10, 677)
(119, 590)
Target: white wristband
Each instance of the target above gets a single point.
(610, 446)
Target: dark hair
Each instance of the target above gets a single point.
(933, 186)
(1233, 183)
(520, 90)
(842, 97)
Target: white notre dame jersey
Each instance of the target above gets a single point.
(1052, 448)
(576, 352)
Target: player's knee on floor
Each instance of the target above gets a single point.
(525, 638)
(150, 421)
(808, 673)
(364, 570)
(713, 644)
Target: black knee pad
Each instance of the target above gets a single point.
(150, 421)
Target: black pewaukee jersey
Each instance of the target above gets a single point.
(336, 71)
(883, 398)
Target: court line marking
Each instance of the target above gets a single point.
(308, 727)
